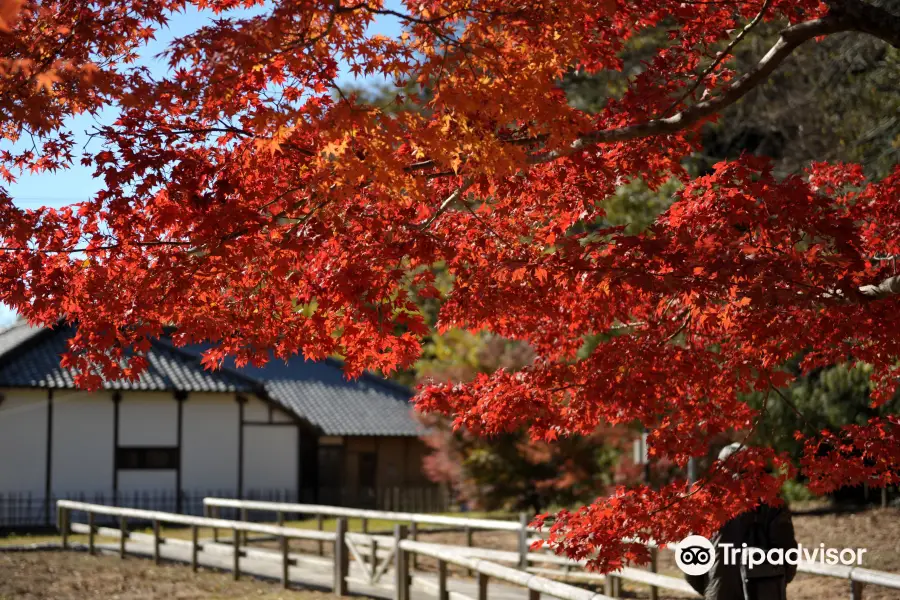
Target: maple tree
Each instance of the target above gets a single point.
(510, 471)
(248, 200)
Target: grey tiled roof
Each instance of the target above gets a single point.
(353, 408)
(318, 392)
(35, 362)
(315, 392)
(16, 334)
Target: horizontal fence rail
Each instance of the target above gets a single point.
(529, 581)
(179, 519)
(65, 509)
(340, 511)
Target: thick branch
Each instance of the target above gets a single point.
(846, 15)
(790, 39)
(877, 291)
(870, 19)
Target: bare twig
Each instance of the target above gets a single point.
(721, 56)
(448, 202)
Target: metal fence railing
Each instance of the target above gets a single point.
(26, 510)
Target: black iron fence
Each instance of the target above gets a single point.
(420, 499)
(26, 511)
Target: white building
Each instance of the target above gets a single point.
(297, 431)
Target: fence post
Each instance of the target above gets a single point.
(156, 541)
(856, 590)
(373, 560)
(365, 525)
(285, 581)
(64, 526)
(341, 562)
(123, 535)
(442, 581)
(320, 525)
(534, 595)
(481, 581)
(611, 585)
(414, 535)
(244, 519)
(215, 514)
(236, 542)
(468, 543)
(90, 517)
(401, 565)
(654, 591)
(194, 547)
(523, 540)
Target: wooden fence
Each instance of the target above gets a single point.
(856, 577)
(346, 545)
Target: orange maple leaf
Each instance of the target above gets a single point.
(9, 13)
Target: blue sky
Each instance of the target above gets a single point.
(77, 184)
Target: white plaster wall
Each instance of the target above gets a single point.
(256, 410)
(23, 441)
(148, 480)
(270, 457)
(148, 419)
(209, 452)
(280, 416)
(83, 441)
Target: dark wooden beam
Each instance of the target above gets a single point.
(240, 474)
(48, 474)
(299, 462)
(117, 399)
(180, 397)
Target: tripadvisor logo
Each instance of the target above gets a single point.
(695, 555)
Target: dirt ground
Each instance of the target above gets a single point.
(79, 576)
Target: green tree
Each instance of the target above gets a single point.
(823, 399)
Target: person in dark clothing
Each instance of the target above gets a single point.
(765, 527)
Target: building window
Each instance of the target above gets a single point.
(147, 458)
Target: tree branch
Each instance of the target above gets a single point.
(845, 15)
(448, 202)
(877, 291)
(721, 56)
(868, 18)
